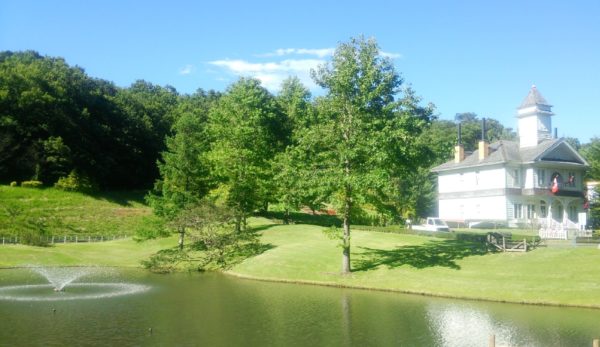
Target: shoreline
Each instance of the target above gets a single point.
(403, 291)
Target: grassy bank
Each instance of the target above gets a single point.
(426, 265)
(51, 211)
(121, 253)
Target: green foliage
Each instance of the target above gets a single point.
(364, 140)
(32, 184)
(76, 182)
(185, 169)
(591, 152)
(247, 129)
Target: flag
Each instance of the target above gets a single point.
(554, 185)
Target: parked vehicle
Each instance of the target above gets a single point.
(433, 224)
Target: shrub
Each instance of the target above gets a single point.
(31, 184)
(76, 182)
(14, 184)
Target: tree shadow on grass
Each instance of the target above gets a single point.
(433, 253)
(123, 198)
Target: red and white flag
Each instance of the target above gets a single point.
(554, 185)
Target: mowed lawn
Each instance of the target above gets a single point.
(427, 265)
(121, 253)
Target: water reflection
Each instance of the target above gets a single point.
(464, 326)
(216, 310)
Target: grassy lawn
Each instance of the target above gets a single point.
(60, 212)
(122, 253)
(420, 264)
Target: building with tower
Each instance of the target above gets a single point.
(536, 182)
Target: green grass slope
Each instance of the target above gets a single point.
(120, 253)
(425, 265)
(58, 212)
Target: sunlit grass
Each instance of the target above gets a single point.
(419, 264)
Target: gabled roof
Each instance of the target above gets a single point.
(502, 152)
(534, 98)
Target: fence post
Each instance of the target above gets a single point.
(525, 243)
(492, 341)
(76, 237)
(596, 343)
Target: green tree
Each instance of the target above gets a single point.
(355, 117)
(247, 129)
(591, 152)
(185, 171)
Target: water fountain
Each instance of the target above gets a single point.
(64, 283)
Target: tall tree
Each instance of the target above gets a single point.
(184, 167)
(355, 118)
(247, 129)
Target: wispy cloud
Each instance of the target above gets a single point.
(272, 74)
(390, 55)
(281, 64)
(187, 70)
(318, 52)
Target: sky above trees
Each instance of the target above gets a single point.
(464, 56)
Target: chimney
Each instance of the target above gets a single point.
(459, 149)
(484, 149)
(555, 133)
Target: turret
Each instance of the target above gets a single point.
(535, 123)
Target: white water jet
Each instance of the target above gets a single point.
(63, 285)
(60, 277)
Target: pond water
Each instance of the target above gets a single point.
(217, 310)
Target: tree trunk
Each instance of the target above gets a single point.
(181, 236)
(238, 223)
(346, 237)
(286, 216)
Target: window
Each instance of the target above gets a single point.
(573, 213)
(517, 177)
(530, 211)
(543, 211)
(541, 175)
(518, 211)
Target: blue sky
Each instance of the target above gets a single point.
(463, 56)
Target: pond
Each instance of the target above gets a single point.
(218, 310)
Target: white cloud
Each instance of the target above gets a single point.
(319, 52)
(188, 69)
(390, 55)
(272, 74)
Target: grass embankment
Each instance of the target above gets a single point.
(120, 253)
(426, 265)
(54, 212)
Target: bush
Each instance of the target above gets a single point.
(14, 184)
(31, 184)
(76, 182)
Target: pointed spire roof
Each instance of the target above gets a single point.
(534, 98)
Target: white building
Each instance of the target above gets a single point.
(535, 182)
